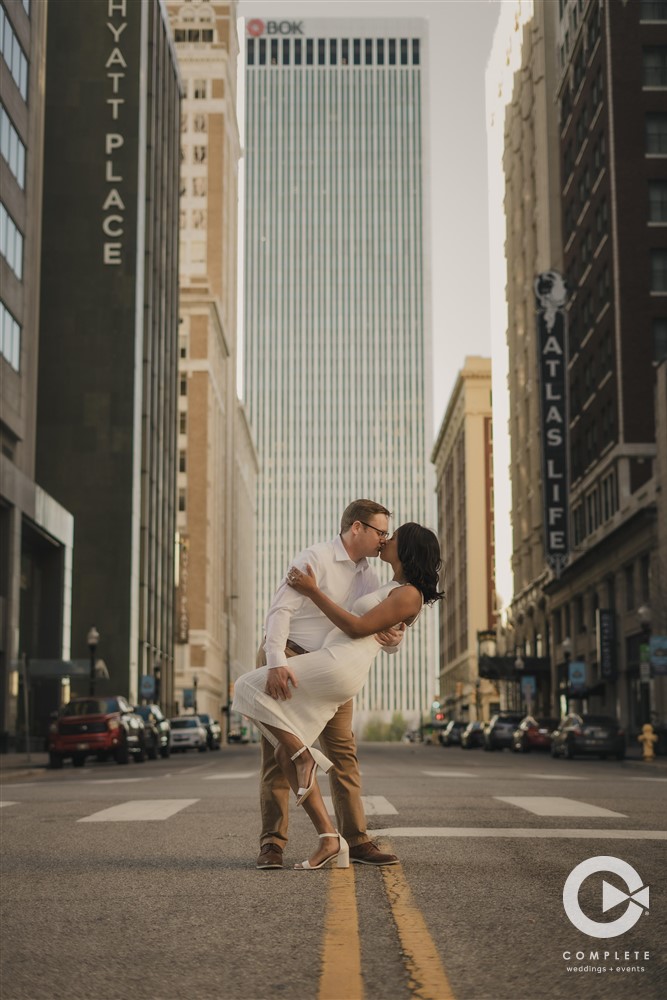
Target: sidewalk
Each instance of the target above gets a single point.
(22, 765)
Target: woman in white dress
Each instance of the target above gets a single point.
(330, 676)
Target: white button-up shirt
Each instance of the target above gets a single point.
(292, 616)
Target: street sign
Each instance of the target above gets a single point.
(658, 655)
(147, 686)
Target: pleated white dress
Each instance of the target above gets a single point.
(327, 678)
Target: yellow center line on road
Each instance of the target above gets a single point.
(341, 951)
(428, 980)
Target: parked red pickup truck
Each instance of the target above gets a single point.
(103, 727)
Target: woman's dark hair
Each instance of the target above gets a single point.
(419, 552)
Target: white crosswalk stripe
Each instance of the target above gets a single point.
(450, 774)
(140, 809)
(374, 805)
(7, 804)
(229, 777)
(553, 805)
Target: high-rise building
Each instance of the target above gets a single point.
(592, 614)
(463, 457)
(337, 315)
(533, 245)
(106, 417)
(612, 100)
(36, 532)
(217, 469)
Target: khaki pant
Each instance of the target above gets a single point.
(337, 742)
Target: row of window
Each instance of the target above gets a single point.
(11, 242)
(11, 148)
(196, 35)
(10, 337)
(656, 134)
(333, 52)
(653, 10)
(596, 508)
(596, 365)
(13, 54)
(199, 123)
(654, 66)
(659, 270)
(199, 154)
(195, 186)
(197, 219)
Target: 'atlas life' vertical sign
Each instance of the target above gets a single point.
(550, 297)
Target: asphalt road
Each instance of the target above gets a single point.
(139, 881)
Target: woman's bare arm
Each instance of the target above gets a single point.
(401, 604)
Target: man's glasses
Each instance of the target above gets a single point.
(381, 534)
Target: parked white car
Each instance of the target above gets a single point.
(188, 731)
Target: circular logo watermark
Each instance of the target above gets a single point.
(636, 897)
(255, 27)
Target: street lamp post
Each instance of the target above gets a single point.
(92, 639)
(157, 673)
(195, 681)
(566, 646)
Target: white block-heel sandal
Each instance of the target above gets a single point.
(319, 760)
(342, 855)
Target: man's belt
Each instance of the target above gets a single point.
(294, 648)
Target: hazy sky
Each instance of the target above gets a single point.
(460, 38)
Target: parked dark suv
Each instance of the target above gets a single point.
(499, 733)
(102, 727)
(583, 734)
(158, 730)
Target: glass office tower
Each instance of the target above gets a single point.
(337, 299)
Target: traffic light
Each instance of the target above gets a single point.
(439, 716)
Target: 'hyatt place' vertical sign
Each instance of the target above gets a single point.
(551, 296)
(113, 208)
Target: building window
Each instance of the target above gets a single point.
(182, 462)
(181, 500)
(659, 271)
(199, 187)
(656, 133)
(11, 242)
(183, 387)
(629, 574)
(415, 52)
(182, 422)
(12, 149)
(659, 330)
(200, 90)
(653, 10)
(645, 578)
(13, 54)
(655, 66)
(609, 496)
(250, 51)
(199, 123)
(10, 338)
(657, 201)
(199, 154)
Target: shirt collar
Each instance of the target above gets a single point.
(341, 555)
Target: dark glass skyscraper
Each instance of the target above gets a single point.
(109, 329)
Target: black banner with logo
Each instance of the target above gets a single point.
(606, 644)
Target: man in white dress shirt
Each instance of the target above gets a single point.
(295, 625)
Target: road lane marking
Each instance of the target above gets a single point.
(141, 809)
(341, 950)
(374, 805)
(116, 781)
(228, 777)
(557, 777)
(427, 977)
(553, 805)
(521, 832)
(8, 803)
(450, 774)
(649, 779)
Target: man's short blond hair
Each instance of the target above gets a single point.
(360, 510)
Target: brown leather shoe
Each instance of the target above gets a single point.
(270, 856)
(369, 854)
